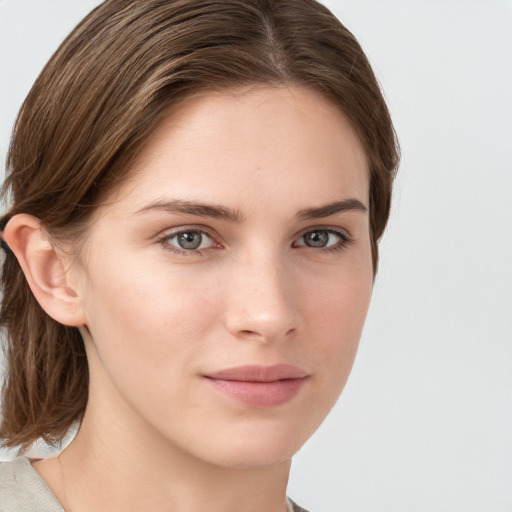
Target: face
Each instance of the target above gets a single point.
(225, 285)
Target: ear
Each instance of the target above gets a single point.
(46, 269)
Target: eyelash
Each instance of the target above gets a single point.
(344, 241)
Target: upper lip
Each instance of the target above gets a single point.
(259, 373)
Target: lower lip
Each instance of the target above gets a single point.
(259, 394)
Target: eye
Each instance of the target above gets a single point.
(187, 240)
(323, 239)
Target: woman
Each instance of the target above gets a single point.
(197, 190)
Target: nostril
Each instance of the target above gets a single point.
(250, 333)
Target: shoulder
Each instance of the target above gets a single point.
(23, 490)
(296, 507)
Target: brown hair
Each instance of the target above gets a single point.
(94, 104)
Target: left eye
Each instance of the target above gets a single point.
(190, 240)
(321, 238)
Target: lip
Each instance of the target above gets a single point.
(259, 386)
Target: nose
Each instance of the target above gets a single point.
(262, 303)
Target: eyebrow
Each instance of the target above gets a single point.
(235, 215)
(332, 209)
(195, 208)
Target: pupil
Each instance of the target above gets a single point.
(316, 238)
(190, 240)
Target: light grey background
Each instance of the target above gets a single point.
(425, 422)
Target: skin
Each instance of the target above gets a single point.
(156, 435)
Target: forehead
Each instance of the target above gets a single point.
(250, 143)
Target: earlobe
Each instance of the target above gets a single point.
(45, 269)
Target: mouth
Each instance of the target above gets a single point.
(259, 386)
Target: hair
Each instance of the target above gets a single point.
(95, 103)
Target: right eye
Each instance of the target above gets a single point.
(187, 241)
(324, 238)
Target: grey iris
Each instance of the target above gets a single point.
(316, 238)
(190, 239)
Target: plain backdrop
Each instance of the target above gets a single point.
(425, 421)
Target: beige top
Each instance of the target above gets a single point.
(23, 490)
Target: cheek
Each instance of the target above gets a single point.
(152, 313)
(148, 333)
(336, 314)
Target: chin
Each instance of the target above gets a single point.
(251, 457)
(254, 445)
